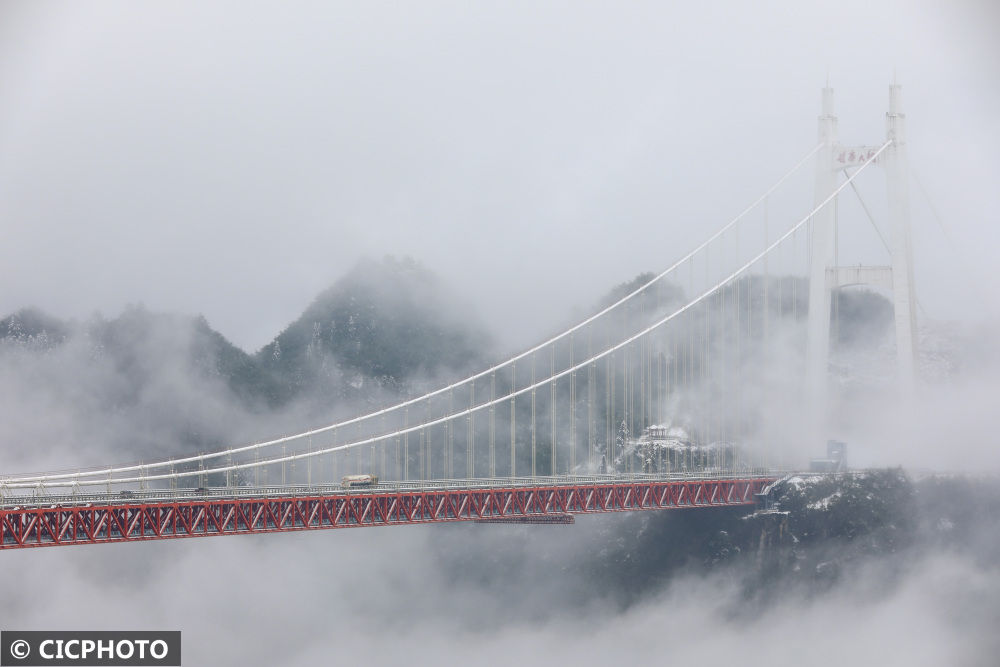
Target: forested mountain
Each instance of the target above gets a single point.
(31, 328)
(176, 385)
(383, 325)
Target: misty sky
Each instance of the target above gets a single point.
(235, 161)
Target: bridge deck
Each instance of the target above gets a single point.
(63, 520)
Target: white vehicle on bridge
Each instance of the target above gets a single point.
(358, 481)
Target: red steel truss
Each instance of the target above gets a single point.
(129, 522)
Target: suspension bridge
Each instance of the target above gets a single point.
(652, 402)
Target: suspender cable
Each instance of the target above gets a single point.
(493, 425)
(591, 397)
(513, 420)
(553, 467)
(470, 443)
(533, 447)
(449, 442)
(572, 407)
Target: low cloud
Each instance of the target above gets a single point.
(387, 596)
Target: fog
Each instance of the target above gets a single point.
(235, 161)
(391, 595)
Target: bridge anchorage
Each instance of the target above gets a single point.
(655, 401)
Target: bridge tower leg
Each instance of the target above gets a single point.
(897, 188)
(822, 254)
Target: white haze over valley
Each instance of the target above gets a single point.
(234, 161)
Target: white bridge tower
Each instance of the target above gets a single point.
(825, 276)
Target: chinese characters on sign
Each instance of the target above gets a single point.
(852, 156)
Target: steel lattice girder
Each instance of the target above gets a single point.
(129, 522)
